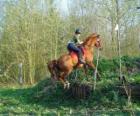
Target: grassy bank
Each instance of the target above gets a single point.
(57, 101)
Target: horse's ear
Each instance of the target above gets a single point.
(98, 36)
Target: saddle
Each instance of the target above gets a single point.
(75, 56)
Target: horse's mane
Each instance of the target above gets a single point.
(89, 37)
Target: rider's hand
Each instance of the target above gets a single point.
(80, 42)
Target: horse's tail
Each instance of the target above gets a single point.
(53, 68)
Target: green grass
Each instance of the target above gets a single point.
(105, 100)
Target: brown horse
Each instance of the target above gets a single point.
(64, 65)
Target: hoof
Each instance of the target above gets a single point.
(67, 85)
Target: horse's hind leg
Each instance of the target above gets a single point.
(63, 82)
(62, 78)
(52, 72)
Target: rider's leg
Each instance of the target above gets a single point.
(80, 58)
(72, 47)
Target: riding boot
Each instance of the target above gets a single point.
(80, 58)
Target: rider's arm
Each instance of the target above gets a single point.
(79, 42)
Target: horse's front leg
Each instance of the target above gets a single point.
(91, 65)
(85, 69)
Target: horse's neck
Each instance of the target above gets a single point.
(88, 45)
(88, 48)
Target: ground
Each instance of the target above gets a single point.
(105, 100)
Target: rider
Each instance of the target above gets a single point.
(72, 45)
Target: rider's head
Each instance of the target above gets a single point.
(77, 32)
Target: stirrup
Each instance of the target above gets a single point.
(81, 61)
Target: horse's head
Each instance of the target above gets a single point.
(97, 41)
(93, 40)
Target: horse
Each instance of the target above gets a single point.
(63, 66)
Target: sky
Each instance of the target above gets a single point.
(1, 12)
(1, 7)
(63, 6)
